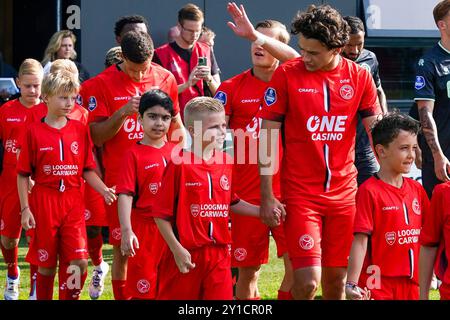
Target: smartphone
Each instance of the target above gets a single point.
(202, 61)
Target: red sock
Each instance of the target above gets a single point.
(284, 295)
(62, 278)
(73, 292)
(33, 277)
(95, 249)
(119, 289)
(44, 287)
(10, 256)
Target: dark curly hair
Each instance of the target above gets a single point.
(322, 23)
(137, 46)
(384, 131)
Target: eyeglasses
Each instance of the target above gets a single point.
(198, 32)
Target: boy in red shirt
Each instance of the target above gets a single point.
(56, 153)
(139, 182)
(435, 243)
(193, 210)
(13, 116)
(389, 211)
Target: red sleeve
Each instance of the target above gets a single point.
(225, 95)
(89, 163)
(275, 101)
(369, 104)
(26, 163)
(173, 93)
(94, 101)
(166, 206)
(128, 175)
(364, 211)
(433, 220)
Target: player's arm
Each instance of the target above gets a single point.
(129, 240)
(243, 28)
(427, 256)
(429, 130)
(177, 132)
(27, 218)
(382, 99)
(181, 255)
(268, 165)
(355, 264)
(97, 184)
(105, 130)
(368, 123)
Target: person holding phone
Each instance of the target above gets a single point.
(191, 62)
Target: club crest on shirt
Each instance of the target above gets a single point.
(74, 147)
(195, 210)
(153, 187)
(416, 206)
(240, 254)
(92, 103)
(47, 169)
(221, 96)
(270, 97)
(420, 82)
(390, 238)
(224, 184)
(87, 214)
(347, 92)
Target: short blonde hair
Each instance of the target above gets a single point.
(64, 64)
(55, 44)
(30, 67)
(59, 82)
(197, 107)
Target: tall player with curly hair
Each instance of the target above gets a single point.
(315, 99)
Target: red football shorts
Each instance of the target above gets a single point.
(142, 268)
(318, 234)
(250, 246)
(395, 288)
(95, 212)
(115, 234)
(60, 228)
(10, 224)
(209, 280)
(444, 291)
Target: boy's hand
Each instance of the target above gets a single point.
(183, 260)
(27, 219)
(109, 195)
(128, 243)
(272, 212)
(353, 292)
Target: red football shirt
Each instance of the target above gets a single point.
(111, 90)
(56, 158)
(197, 196)
(436, 225)
(242, 98)
(319, 110)
(142, 170)
(13, 116)
(40, 111)
(392, 217)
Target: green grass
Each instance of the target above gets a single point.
(270, 277)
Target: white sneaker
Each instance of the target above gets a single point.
(434, 283)
(12, 287)
(97, 283)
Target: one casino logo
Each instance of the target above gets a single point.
(153, 187)
(224, 184)
(74, 147)
(42, 255)
(195, 210)
(390, 238)
(143, 286)
(87, 214)
(116, 234)
(47, 169)
(92, 103)
(306, 242)
(416, 206)
(347, 92)
(240, 254)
